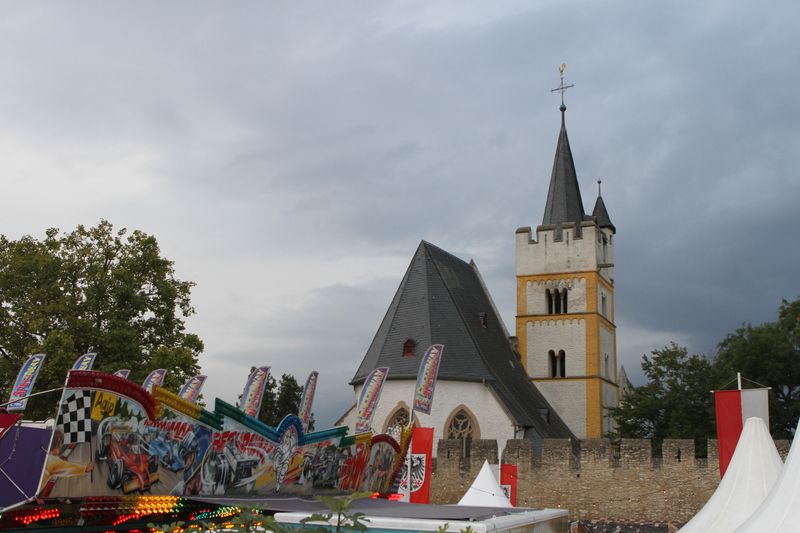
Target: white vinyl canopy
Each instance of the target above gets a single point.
(485, 491)
(780, 510)
(752, 472)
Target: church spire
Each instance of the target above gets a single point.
(564, 202)
(600, 213)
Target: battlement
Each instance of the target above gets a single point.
(563, 248)
(596, 479)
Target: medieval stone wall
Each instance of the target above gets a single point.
(624, 482)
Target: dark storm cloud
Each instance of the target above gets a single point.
(290, 157)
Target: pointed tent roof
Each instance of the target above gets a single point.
(564, 202)
(442, 300)
(485, 491)
(750, 476)
(780, 510)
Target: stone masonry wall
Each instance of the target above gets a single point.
(624, 482)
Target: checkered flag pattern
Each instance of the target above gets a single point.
(75, 417)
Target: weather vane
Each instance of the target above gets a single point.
(561, 88)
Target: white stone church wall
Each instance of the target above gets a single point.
(536, 298)
(448, 398)
(546, 255)
(568, 398)
(557, 334)
(607, 350)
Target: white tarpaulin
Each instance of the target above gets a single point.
(485, 491)
(752, 472)
(780, 510)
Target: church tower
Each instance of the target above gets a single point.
(565, 302)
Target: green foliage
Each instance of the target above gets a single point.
(339, 508)
(676, 402)
(769, 354)
(92, 290)
(281, 399)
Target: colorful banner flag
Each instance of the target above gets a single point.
(421, 463)
(368, 401)
(155, 379)
(308, 399)
(426, 380)
(84, 362)
(24, 384)
(508, 482)
(191, 389)
(254, 391)
(122, 373)
(733, 408)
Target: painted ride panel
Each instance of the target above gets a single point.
(114, 438)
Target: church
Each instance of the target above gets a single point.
(555, 378)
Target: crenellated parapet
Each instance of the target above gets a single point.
(605, 480)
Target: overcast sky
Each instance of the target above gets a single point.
(290, 156)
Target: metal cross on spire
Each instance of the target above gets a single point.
(561, 88)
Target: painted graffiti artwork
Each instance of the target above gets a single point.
(112, 437)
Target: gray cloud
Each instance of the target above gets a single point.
(290, 157)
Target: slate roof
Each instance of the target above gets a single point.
(442, 300)
(600, 215)
(564, 202)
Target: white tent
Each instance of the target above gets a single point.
(780, 510)
(485, 491)
(752, 472)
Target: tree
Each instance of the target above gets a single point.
(92, 290)
(769, 354)
(281, 399)
(676, 402)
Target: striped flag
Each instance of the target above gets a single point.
(733, 408)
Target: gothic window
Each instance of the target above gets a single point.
(462, 427)
(408, 348)
(394, 426)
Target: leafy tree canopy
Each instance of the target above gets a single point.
(769, 354)
(676, 402)
(281, 399)
(92, 290)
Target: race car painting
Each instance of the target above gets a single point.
(130, 468)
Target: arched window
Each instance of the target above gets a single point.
(562, 363)
(408, 348)
(564, 297)
(462, 427)
(557, 302)
(552, 363)
(396, 422)
(549, 297)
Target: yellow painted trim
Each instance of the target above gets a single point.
(594, 409)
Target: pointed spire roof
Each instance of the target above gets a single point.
(600, 213)
(442, 300)
(564, 202)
